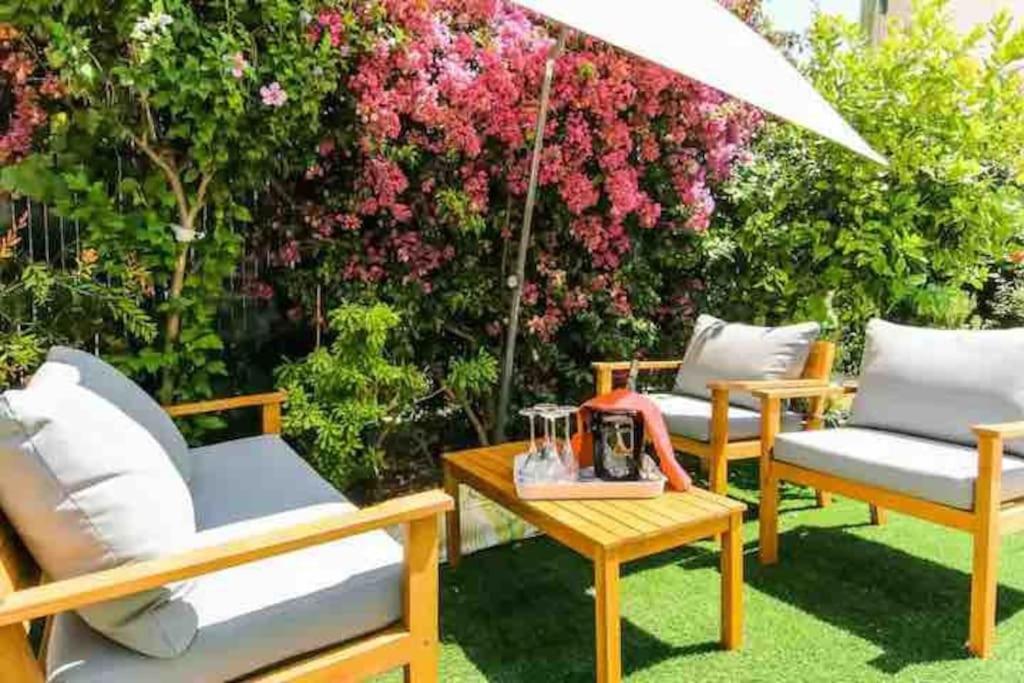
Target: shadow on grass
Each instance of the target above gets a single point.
(526, 613)
(914, 609)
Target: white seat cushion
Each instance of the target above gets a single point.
(936, 471)
(691, 417)
(259, 614)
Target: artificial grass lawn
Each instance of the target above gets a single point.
(847, 602)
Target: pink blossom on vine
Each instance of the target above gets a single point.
(288, 255)
(579, 192)
(273, 95)
(239, 64)
(328, 21)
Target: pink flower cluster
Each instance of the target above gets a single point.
(331, 22)
(451, 106)
(273, 95)
(27, 114)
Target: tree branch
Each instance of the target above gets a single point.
(474, 419)
(200, 200)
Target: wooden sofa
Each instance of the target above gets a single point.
(411, 643)
(916, 443)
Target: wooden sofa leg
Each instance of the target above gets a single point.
(719, 477)
(422, 669)
(985, 570)
(17, 664)
(983, 593)
(421, 599)
(719, 459)
(824, 498)
(879, 516)
(768, 519)
(768, 551)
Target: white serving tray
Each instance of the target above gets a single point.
(586, 487)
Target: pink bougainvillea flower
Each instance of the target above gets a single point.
(239, 64)
(273, 95)
(331, 21)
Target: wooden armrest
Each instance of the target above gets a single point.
(644, 365)
(815, 391)
(219, 404)
(1006, 430)
(88, 589)
(762, 384)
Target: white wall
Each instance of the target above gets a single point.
(966, 13)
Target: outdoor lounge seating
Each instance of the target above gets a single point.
(935, 433)
(291, 581)
(713, 415)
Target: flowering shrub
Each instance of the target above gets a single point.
(419, 201)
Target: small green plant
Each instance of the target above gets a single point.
(469, 381)
(41, 306)
(346, 399)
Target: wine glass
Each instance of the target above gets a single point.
(568, 456)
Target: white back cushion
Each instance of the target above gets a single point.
(110, 383)
(88, 489)
(733, 351)
(939, 383)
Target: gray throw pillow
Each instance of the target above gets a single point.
(939, 383)
(104, 379)
(88, 489)
(733, 351)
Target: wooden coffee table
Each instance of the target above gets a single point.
(609, 533)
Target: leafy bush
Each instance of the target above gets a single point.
(170, 115)
(812, 231)
(41, 306)
(346, 399)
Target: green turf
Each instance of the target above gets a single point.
(847, 602)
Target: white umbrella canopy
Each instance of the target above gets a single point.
(706, 42)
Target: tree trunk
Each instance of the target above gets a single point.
(172, 326)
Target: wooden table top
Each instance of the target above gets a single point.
(628, 528)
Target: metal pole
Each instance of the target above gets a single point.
(515, 282)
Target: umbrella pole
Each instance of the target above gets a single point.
(515, 282)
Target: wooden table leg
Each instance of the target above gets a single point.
(453, 520)
(732, 584)
(606, 600)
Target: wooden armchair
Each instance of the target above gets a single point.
(411, 643)
(720, 448)
(996, 511)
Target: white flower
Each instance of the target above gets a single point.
(143, 27)
(147, 27)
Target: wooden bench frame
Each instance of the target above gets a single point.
(716, 453)
(412, 643)
(987, 523)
